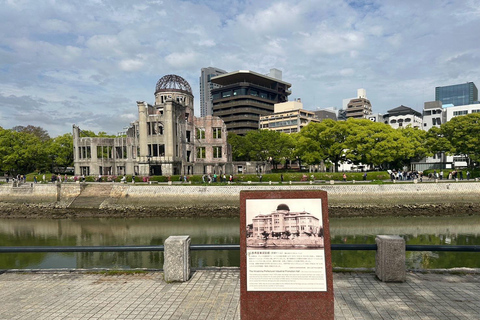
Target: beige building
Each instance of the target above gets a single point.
(165, 140)
(359, 108)
(288, 117)
(282, 220)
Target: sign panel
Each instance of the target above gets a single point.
(285, 255)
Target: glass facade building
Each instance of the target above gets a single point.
(458, 94)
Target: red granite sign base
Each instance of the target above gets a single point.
(285, 258)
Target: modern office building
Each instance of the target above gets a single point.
(165, 140)
(458, 94)
(402, 117)
(288, 117)
(206, 87)
(244, 96)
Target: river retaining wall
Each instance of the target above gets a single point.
(127, 195)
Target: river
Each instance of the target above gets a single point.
(154, 231)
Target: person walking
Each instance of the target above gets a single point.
(344, 177)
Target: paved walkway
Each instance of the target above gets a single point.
(216, 294)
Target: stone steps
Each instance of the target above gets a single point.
(92, 196)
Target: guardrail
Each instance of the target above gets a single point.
(206, 247)
(389, 258)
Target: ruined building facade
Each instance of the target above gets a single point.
(167, 139)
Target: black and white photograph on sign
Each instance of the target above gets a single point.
(284, 224)
(285, 245)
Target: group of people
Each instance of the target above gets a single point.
(451, 175)
(223, 178)
(405, 175)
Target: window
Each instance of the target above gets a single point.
(460, 113)
(200, 133)
(226, 94)
(217, 133)
(217, 152)
(201, 152)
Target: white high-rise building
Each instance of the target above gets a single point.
(206, 86)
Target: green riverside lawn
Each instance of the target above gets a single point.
(372, 177)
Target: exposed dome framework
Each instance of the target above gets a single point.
(172, 83)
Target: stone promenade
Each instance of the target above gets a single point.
(215, 294)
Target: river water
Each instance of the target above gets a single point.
(154, 231)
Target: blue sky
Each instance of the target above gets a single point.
(87, 62)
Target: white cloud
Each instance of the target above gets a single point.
(131, 65)
(110, 53)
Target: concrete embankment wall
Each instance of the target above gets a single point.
(40, 193)
(123, 195)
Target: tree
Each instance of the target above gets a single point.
(239, 150)
(41, 133)
(324, 141)
(21, 152)
(463, 136)
(61, 151)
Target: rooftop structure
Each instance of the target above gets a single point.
(457, 94)
(244, 96)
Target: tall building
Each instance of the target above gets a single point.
(206, 87)
(288, 117)
(244, 96)
(359, 108)
(457, 94)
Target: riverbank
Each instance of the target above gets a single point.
(40, 211)
(114, 200)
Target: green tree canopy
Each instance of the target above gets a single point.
(460, 136)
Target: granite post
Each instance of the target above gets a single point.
(176, 265)
(390, 258)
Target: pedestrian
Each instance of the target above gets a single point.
(34, 179)
(344, 177)
(365, 176)
(468, 175)
(461, 175)
(261, 177)
(281, 177)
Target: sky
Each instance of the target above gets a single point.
(87, 62)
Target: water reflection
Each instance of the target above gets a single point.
(113, 232)
(416, 231)
(154, 231)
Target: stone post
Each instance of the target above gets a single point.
(176, 266)
(390, 258)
